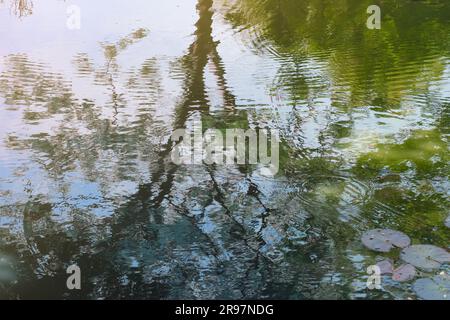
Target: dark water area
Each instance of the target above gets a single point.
(86, 175)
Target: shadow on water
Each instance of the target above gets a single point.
(363, 119)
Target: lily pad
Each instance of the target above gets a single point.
(404, 273)
(383, 240)
(386, 267)
(425, 256)
(436, 288)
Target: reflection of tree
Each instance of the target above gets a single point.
(196, 232)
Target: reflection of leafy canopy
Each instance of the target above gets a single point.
(379, 66)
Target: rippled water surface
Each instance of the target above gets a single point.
(85, 171)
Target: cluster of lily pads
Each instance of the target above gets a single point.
(427, 258)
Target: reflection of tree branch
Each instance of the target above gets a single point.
(114, 91)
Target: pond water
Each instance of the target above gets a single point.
(86, 176)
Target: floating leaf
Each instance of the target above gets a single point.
(436, 288)
(383, 240)
(425, 256)
(404, 273)
(385, 266)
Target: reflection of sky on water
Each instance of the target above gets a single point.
(123, 108)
